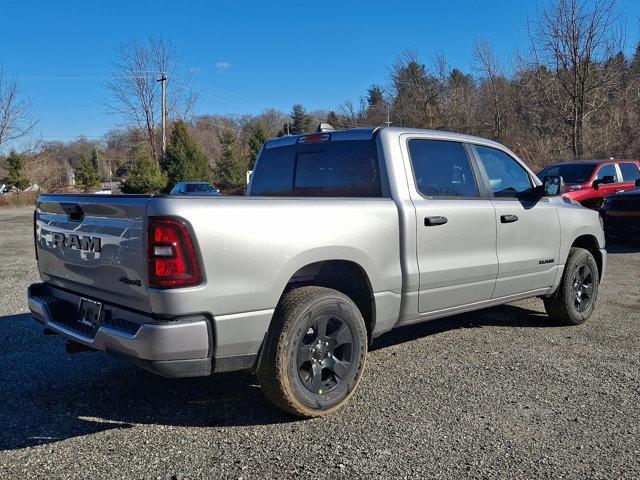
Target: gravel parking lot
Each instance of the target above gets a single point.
(500, 393)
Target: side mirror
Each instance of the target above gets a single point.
(552, 185)
(603, 181)
(637, 182)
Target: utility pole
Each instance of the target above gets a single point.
(388, 122)
(163, 79)
(110, 182)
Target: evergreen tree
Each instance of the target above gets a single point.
(15, 178)
(87, 175)
(230, 170)
(184, 160)
(145, 176)
(95, 159)
(375, 95)
(333, 120)
(301, 120)
(635, 60)
(257, 139)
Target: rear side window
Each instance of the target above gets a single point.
(442, 169)
(630, 172)
(329, 169)
(606, 171)
(506, 176)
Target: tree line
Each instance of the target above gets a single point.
(573, 94)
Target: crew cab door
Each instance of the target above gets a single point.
(456, 233)
(528, 228)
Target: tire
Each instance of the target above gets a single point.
(573, 302)
(314, 354)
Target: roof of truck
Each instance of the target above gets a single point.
(369, 132)
(592, 161)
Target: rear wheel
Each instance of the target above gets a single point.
(574, 300)
(314, 353)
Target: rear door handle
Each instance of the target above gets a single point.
(431, 221)
(508, 218)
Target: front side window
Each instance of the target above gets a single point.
(506, 176)
(442, 169)
(606, 171)
(630, 172)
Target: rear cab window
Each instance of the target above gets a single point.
(343, 168)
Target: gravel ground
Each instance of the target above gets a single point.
(500, 393)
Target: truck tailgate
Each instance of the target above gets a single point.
(94, 245)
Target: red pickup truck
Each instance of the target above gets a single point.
(589, 181)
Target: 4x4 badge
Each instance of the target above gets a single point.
(129, 281)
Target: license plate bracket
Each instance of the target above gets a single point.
(89, 313)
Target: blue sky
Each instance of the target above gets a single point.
(245, 55)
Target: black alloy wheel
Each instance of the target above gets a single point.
(324, 356)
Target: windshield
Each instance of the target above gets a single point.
(199, 187)
(570, 172)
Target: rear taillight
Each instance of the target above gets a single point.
(171, 254)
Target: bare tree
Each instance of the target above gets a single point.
(416, 91)
(16, 119)
(135, 91)
(47, 171)
(495, 95)
(570, 43)
(354, 115)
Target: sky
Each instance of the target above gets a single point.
(245, 56)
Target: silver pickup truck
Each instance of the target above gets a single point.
(343, 235)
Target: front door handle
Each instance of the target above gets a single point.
(508, 218)
(431, 221)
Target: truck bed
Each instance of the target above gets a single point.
(249, 247)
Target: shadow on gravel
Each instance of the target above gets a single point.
(47, 395)
(501, 316)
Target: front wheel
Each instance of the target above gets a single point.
(573, 302)
(314, 353)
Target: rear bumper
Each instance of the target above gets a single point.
(176, 348)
